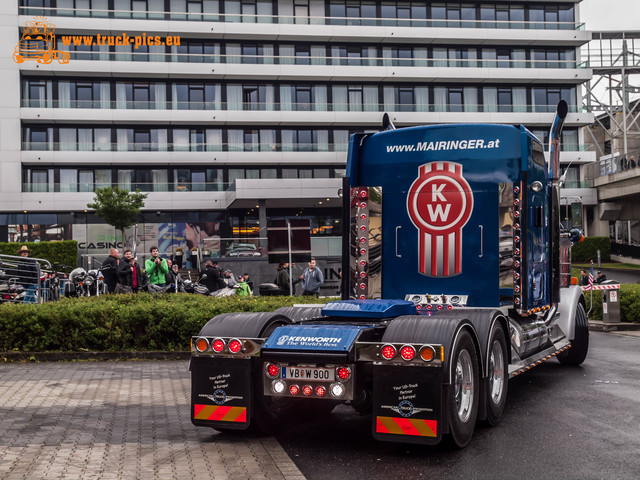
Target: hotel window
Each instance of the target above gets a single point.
(505, 104)
(39, 138)
(37, 93)
(68, 180)
(301, 11)
(39, 181)
(352, 12)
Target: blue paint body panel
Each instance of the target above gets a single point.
(332, 338)
(369, 308)
(489, 157)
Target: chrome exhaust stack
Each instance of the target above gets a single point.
(554, 141)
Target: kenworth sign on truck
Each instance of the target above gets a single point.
(459, 279)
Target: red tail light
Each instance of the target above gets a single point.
(217, 345)
(235, 345)
(294, 389)
(320, 391)
(307, 390)
(407, 352)
(273, 370)
(343, 373)
(388, 352)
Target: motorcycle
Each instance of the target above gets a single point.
(10, 290)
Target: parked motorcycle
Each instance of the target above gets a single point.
(10, 290)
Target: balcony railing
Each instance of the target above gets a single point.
(316, 60)
(144, 187)
(176, 147)
(292, 106)
(298, 19)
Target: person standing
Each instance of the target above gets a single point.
(312, 279)
(129, 275)
(230, 279)
(248, 280)
(584, 279)
(28, 274)
(242, 288)
(282, 279)
(110, 269)
(213, 281)
(156, 268)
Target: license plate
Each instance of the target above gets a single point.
(309, 373)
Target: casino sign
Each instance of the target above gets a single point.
(440, 203)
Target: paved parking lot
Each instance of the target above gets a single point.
(119, 420)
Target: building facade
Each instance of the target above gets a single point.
(233, 112)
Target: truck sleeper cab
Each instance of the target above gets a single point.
(455, 285)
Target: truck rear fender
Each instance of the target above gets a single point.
(440, 329)
(569, 299)
(241, 324)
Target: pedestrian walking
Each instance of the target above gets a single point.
(312, 279)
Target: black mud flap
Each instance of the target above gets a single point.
(221, 392)
(407, 404)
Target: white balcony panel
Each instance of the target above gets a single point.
(302, 73)
(293, 192)
(324, 33)
(74, 201)
(530, 119)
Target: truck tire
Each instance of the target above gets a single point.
(497, 376)
(580, 344)
(465, 385)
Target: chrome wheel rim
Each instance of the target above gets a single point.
(496, 372)
(464, 387)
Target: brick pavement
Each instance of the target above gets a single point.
(119, 420)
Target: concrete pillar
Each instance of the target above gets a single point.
(262, 218)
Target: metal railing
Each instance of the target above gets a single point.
(298, 19)
(144, 187)
(22, 280)
(316, 60)
(293, 106)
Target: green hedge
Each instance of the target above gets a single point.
(629, 296)
(64, 252)
(588, 250)
(141, 322)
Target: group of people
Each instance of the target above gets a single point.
(124, 275)
(214, 278)
(584, 278)
(311, 279)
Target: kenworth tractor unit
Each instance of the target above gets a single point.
(459, 279)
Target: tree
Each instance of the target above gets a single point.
(119, 208)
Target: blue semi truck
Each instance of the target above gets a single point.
(459, 279)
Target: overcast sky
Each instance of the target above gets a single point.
(610, 14)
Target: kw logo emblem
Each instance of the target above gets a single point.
(440, 203)
(38, 42)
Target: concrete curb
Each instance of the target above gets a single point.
(90, 356)
(600, 326)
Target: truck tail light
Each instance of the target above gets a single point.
(307, 390)
(388, 352)
(294, 389)
(321, 391)
(427, 353)
(273, 370)
(337, 390)
(202, 344)
(343, 373)
(278, 387)
(407, 352)
(235, 346)
(218, 345)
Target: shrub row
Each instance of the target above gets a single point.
(64, 252)
(629, 297)
(142, 322)
(588, 250)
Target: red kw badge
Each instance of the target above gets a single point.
(440, 203)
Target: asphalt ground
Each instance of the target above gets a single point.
(119, 420)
